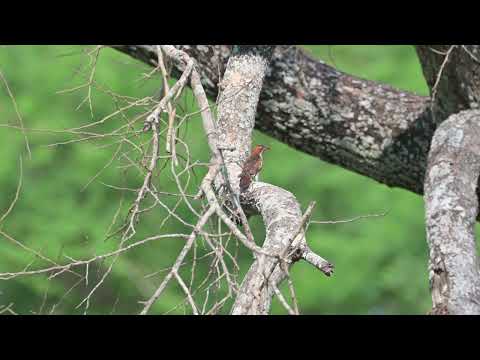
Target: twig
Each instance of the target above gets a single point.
(8, 309)
(61, 268)
(187, 292)
(20, 121)
(17, 193)
(179, 260)
(439, 75)
(283, 301)
(350, 220)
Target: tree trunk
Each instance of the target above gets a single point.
(382, 133)
(363, 126)
(451, 210)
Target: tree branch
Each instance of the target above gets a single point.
(453, 75)
(237, 103)
(366, 127)
(451, 210)
(285, 236)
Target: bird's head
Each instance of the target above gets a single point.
(259, 149)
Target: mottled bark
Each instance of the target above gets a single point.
(361, 125)
(382, 133)
(452, 73)
(451, 209)
(237, 104)
(285, 237)
(282, 216)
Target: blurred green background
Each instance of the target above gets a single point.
(380, 262)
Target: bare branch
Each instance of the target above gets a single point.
(178, 262)
(359, 217)
(360, 125)
(17, 193)
(20, 121)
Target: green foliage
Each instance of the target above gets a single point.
(380, 262)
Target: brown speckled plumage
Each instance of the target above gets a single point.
(252, 166)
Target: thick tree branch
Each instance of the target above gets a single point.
(241, 87)
(374, 130)
(363, 126)
(285, 237)
(285, 240)
(453, 75)
(451, 192)
(451, 210)
(237, 105)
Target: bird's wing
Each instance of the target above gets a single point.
(248, 167)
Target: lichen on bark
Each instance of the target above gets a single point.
(451, 209)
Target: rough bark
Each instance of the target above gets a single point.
(282, 218)
(452, 73)
(363, 126)
(385, 134)
(237, 104)
(285, 237)
(451, 209)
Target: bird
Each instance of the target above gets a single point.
(252, 167)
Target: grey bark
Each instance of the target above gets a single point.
(367, 127)
(451, 210)
(382, 133)
(363, 126)
(237, 105)
(285, 237)
(282, 218)
(456, 69)
(453, 76)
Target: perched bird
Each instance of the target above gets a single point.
(252, 167)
